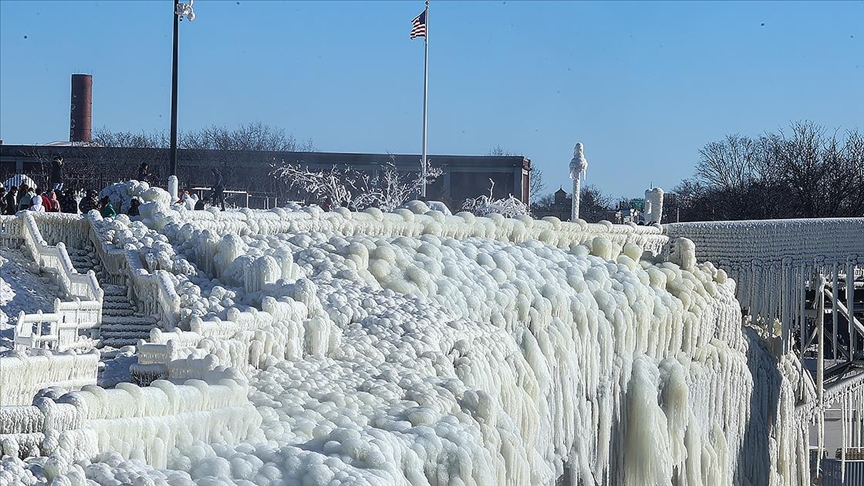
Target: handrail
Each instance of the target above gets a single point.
(153, 293)
(68, 318)
(64, 325)
(56, 259)
(845, 312)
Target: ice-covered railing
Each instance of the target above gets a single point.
(56, 260)
(27, 431)
(153, 293)
(509, 362)
(419, 220)
(22, 376)
(68, 228)
(10, 231)
(774, 262)
(145, 423)
(235, 342)
(61, 329)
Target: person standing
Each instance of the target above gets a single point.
(218, 192)
(89, 203)
(68, 204)
(25, 193)
(144, 172)
(11, 201)
(36, 204)
(57, 173)
(55, 202)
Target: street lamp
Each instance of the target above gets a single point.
(180, 10)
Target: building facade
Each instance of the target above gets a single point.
(93, 167)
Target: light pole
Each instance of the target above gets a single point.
(578, 166)
(180, 10)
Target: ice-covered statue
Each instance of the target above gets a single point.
(578, 167)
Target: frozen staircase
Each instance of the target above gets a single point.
(83, 261)
(122, 324)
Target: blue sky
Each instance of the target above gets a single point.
(644, 85)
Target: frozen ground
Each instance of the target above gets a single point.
(21, 288)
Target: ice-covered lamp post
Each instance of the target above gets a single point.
(578, 166)
(180, 10)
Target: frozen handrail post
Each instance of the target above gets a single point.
(578, 167)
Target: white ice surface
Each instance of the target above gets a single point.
(434, 360)
(21, 288)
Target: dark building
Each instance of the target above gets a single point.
(88, 166)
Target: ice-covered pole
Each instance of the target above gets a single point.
(578, 166)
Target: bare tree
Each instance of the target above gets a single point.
(385, 188)
(802, 173)
(535, 179)
(594, 206)
(484, 205)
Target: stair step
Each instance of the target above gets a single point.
(117, 314)
(115, 298)
(119, 342)
(117, 304)
(131, 319)
(113, 289)
(125, 328)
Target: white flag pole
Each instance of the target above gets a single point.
(425, 103)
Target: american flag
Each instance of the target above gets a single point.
(418, 26)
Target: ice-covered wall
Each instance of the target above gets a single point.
(148, 424)
(21, 375)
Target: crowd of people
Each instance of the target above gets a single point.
(56, 198)
(60, 199)
(26, 198)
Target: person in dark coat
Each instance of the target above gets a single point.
(133, 207)
(144, 172)
(90, 202)
(2, 200)
(11, 201)
(218, 193)
(68, 204)
(57, 173)
(25, 194)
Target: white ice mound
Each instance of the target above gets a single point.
(418, 348)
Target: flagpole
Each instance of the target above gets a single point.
(425, 102)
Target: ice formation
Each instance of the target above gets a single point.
(653, 205)
(419, 348)
(65, 370)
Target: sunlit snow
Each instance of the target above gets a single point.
(417, 347)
